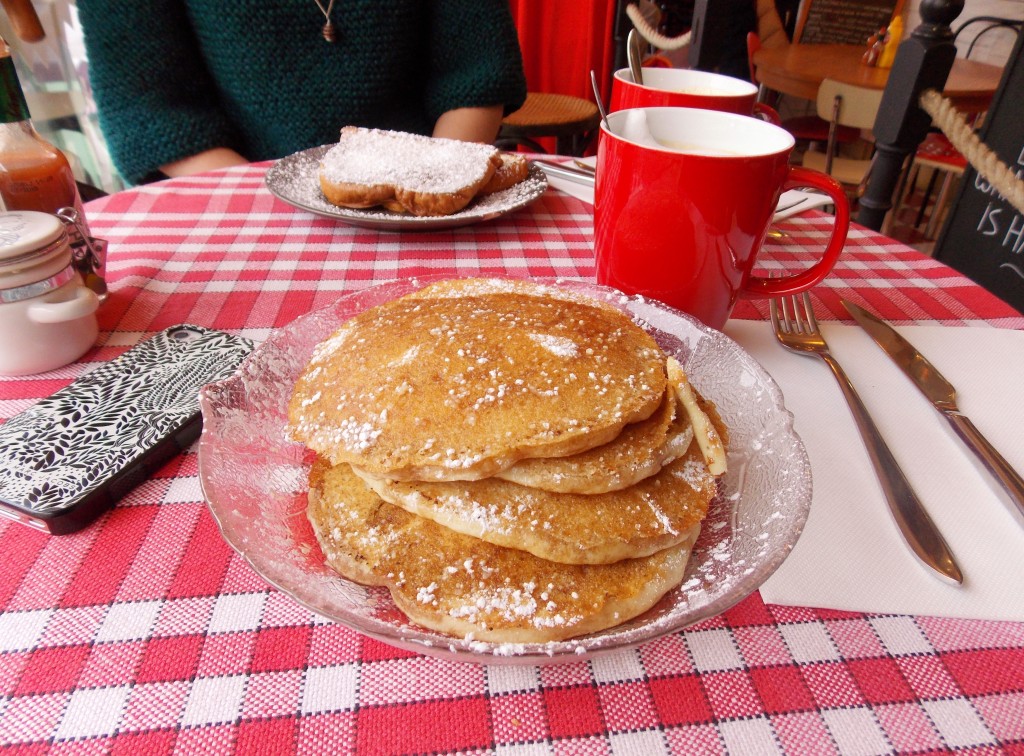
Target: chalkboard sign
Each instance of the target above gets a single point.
(848, 22)
(983, 237)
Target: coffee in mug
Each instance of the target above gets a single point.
(681, 211)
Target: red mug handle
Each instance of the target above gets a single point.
(760, 286)
(767, 113)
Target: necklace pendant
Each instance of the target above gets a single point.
(329, 33)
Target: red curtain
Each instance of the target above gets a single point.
(563, 40)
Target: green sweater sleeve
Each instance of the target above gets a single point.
(157, 102)
(475, 58)
(173, 78)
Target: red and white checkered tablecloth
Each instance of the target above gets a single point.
(147, 634)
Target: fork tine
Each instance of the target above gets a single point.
(773, 310)
(788, 312)
(793, 313)
(811, 320)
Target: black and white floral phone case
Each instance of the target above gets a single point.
(72, 455)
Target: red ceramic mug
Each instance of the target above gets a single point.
(688, 88)
(681, 214)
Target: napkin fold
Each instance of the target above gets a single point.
(851, 555)
(791, 202)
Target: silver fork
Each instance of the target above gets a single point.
(796, 328)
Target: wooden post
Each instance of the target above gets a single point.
(922, 62)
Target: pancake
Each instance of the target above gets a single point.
(466, 587)
(461, 387)
(572, 529)
(569, 528)
(476, 287)
(638, 452)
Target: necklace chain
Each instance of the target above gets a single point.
(328, 31)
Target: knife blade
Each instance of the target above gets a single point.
(941, 393)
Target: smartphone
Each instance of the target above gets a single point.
(71, 456)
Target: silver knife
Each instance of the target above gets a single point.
(576, 175)
(942, 395)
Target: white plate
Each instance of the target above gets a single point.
(295, 180)
(255, 481)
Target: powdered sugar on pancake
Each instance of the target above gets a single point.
(559, 345)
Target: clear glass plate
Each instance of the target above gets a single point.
(295, 180)
(255, 481)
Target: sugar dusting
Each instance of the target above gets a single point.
(296, 180)
(561, 346)
(374, 157)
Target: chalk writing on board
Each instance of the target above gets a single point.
(983, 237)
(848, 22)
(1000, 221)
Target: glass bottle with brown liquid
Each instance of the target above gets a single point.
(34, 175)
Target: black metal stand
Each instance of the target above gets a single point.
(922, 62)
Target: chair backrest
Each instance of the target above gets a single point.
(845, 105)
(986, 31)
(770, 30)
(848, 104)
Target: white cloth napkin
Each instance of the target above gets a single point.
(851, 555)
(792, 202)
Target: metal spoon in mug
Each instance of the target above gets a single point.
(633, 56)
(597, 98)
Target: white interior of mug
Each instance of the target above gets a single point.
(698, 132)
(689, 81)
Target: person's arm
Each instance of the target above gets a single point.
(210, 160)
(470, 124)
(157, 101)
(470, 86)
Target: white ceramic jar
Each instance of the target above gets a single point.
(47, 314)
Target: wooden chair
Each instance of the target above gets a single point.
(807, 128)
(937, 153)
(572, 121)
(770, 30)
(847, 105)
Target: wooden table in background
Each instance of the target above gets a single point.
(798, 70)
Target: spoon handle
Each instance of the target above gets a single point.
(597, 98)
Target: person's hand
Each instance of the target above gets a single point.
(211, 160)
(470, 124)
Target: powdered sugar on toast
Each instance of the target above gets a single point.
(417, 163)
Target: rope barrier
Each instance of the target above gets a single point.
(962, 136)
(652, 35)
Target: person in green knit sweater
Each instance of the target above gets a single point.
(184, 86)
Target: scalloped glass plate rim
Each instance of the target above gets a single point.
(685, 338)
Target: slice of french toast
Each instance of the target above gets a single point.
(405, 172)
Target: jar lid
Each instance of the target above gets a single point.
(26, 232)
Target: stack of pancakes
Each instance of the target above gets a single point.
(516, 463)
